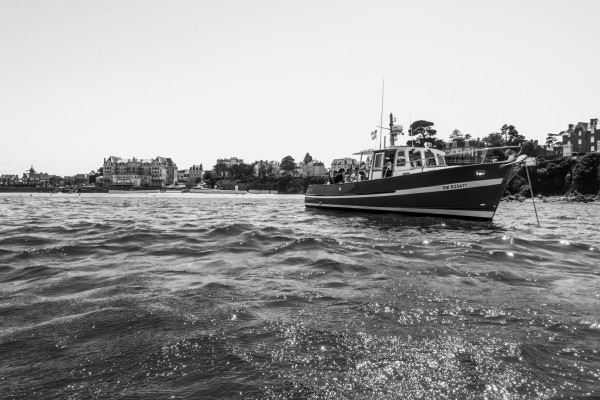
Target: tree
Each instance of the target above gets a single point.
(529, 148)
(423, 131)
(494, 139)
(512, 136)
(240, 170)
(307, 158)
(456, 135)
(288, 164)
(585, 174)
(234, 171)
(221, 170)
(209, 176)
(246, 169)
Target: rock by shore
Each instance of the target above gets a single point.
(567, 198)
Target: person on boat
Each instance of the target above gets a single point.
(415, 158)
(353, 176)
(339, 177)
(510, 154)
(387, 169)
(347, 176)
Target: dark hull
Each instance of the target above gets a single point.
(466, 191)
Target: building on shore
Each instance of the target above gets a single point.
(195, 174)
(345, 163)
(183, 176)
(230, 161)
(9, 180)
(581, 138)
(313, 168)
(32, 178)
(269, 168)
(464, 150)
(142, 172)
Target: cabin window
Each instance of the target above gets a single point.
(400, 159)
(378, 163)
(429, 158)
(415, 158)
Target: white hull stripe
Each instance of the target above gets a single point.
(437, 211)
(402, 192)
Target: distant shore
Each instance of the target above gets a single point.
(30, 189)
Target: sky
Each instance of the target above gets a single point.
(263, 79)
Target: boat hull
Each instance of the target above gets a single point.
(466, 191)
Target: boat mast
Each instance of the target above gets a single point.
(381, 118)
(392, 134)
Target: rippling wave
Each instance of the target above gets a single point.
(255, 297)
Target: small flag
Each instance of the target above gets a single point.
(374, 135)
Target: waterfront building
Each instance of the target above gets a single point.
(299, 170)
(81, 179)
(581, 138)
(313, 168)
(145, 172)
(183, 176)
(9, 180)
(461, 150)
(256, 168)
(230, 161)
(346, 163)
(270, 167)
(274, 167)
(32, 178)
(195, 174)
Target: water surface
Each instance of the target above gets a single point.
(255, 297)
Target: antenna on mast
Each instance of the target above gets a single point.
(381, 119)
(410, 127)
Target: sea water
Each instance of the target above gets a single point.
(204, 296)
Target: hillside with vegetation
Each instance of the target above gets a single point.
(575, 179)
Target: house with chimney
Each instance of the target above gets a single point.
(139, 172)
(581, 138)
(9, 180)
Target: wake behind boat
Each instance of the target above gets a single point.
(417, 180)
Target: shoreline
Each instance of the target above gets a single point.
(566, 198)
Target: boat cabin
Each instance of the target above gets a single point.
(401, 160)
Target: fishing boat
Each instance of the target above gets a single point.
(417, 180)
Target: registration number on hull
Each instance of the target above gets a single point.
(455, 186)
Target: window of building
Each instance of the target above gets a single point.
(592, 148)
(579, 141)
